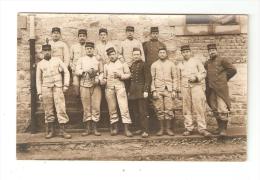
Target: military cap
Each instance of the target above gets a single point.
(90, 44)
(82, 31)
(130, 28)
(110, 50)
(46, 47)
(211, 46)
(162, 48)
(56, 29)
(102, 30)
(154, 29)
(185, 47)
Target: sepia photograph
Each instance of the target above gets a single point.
(132, 87)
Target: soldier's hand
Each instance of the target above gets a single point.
(173, 94)
(40, 97)
(193, 79)
(145, 94)
(155, 95)
(96, 81)
(103, 82)
(60, 69)
(65, 88)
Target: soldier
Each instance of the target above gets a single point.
(219, 72)
(192, 75)
(103, 45)
(90, 72)
(59, 48)
(76, 51)
(115, 72)
(163, 88)
(138, 92)
(50, 90)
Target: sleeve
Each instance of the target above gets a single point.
(66, 55)
(101, 71)
(229, 68)
(39, 79)
(174, 73)
(66, 74)
(201, 75)
(153, 74)
(142, 51)
(79, 69)
(179, 76)
(127, 73)
(71, 56)
(146, 77)
(105, 73)
(145, 50)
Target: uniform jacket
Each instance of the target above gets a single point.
(76, 51)
(85, 64)
(60, 50)
(139, 82)
(48, 74)
(126, 50)
(110, 69)
(191, 68)
(219, 71)
(100, 50)
(164, 74)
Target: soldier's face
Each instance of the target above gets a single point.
(112, 56)
(186, 54)
(82, 38)
(103, 36)
(46, 54)
(213, 53)
(89, 51)
(136, 55)
(154, 35)
(162, 54)
(55, 36)
(130, 34)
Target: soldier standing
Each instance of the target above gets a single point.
(192, 75)
(50, 91)
(90, 72)
(163, 88)
(115, 72)
(59, 48)
(77, 51)
(219, 72)
(138, 92)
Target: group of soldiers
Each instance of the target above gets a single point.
(133, 79)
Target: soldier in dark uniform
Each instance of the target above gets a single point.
(219, 72)
(151, 49)
(138, 92)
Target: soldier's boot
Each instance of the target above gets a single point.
(223, 131)
(96, 133)
(217, 131)
(63, 132)
(114, 129)
(168, 128)
(127, 132)
(49, 130)
(161, 128)
(87, 129)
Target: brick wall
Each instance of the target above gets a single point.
(231, 45)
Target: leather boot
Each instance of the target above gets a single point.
(127, 132)
(96, 133)
(87, 129)
(63, 132)
(223, 131)
(217, 131)
(168, 128)
(49, 130)
(161, 128)
(114, 129)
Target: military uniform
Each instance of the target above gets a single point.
(219, 71)
(138, 86)
(193, 96)
(49, 85)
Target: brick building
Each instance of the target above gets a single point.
(228, 32)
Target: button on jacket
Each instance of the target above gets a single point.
(164, 75)
(60, 50)
(85, 64)
(76, 51)
(139, 82)
(219, 71)
(110, 69)
(49, 75)
(126, 50)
